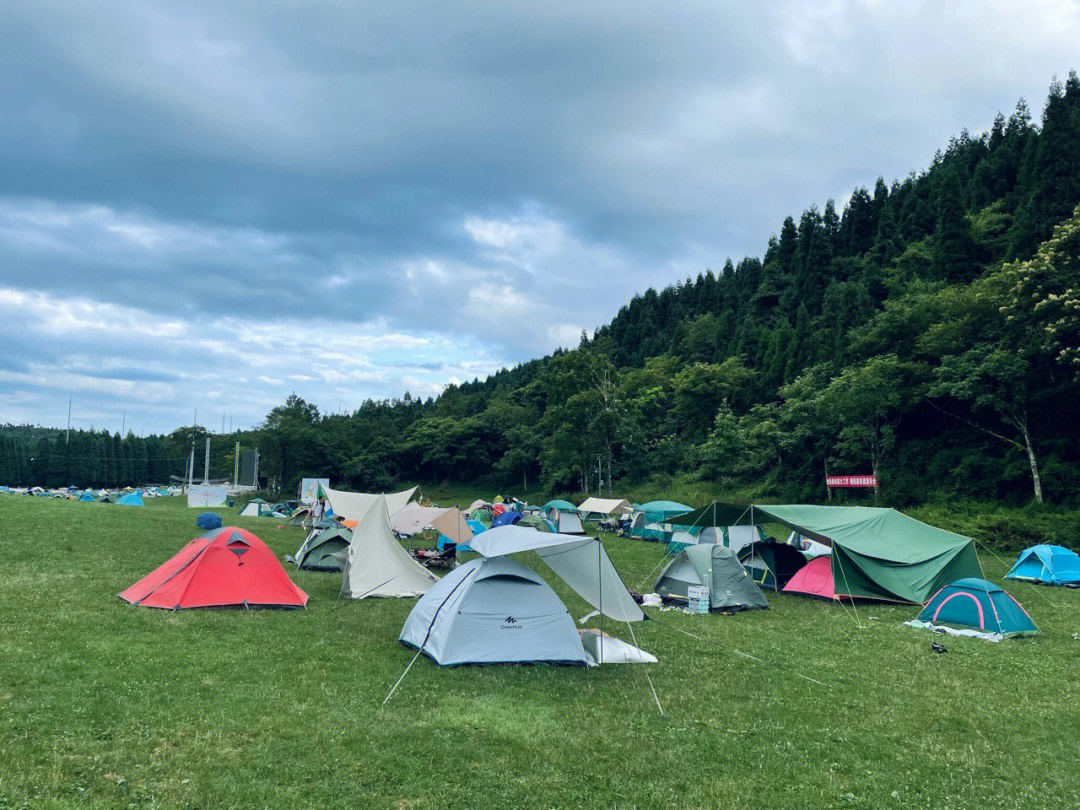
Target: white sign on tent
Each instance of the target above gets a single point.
(200, 495)
(309, 488)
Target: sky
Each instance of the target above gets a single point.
(205, 207)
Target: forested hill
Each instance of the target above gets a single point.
(929, 333)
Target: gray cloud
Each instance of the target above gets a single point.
(485, 178)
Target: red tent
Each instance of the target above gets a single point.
(815, 579)
(228, 567)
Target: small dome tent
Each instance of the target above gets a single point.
(814, 579)
(715, 567)
(1047, 565)
(980, 606)
(563, 515)
(322, 550)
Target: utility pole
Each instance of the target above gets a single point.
(123, 424)
(67, 438)
(206, 463)
(223, 421)
(600, 477)
(236, 466)
(256, 468)
(191, 465)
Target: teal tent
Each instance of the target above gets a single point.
(130, 499)
(877, 553)
(979, 605)
(730, 586)
(651, 521)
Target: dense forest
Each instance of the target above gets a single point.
(928, 333)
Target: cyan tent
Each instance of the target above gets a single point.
(1049, 565)
(130, 499)
(651, 521)
(877, 553)
(979, 605)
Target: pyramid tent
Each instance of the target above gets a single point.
(718, 569)
(771, 564)
(1048, 565)
(322, 550)
(376, 564)
(130, 499)
(493, 610)
(814, 579)
(228, 567)
(979, 605)
(877, 553)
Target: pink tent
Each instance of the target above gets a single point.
(815, 579)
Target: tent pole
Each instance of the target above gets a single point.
(600, 590)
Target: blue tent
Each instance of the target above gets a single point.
(87, 497)
(979, 605)
(130, 499)
(208, 520)
(1049, 565)
(508, 518)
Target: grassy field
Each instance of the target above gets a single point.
(107, 705)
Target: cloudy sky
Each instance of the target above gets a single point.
(209, 206)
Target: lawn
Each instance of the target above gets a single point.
(103, 704)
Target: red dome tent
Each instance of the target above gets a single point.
(228, 567)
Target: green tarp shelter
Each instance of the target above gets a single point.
(718, 569)
(876, 553)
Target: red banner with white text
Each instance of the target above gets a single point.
(839, 481)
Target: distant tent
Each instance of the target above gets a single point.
(597, 508)
(130, 499)
(376, 564)
(256, 507)
(715, 567)
(228, 567)
(733, 537)
(323, 550)
(87, 497)
(208, 521)
(474, 525)
(1048, 565)
(650, 521)
(496, 610)
(508, 518)
(771, 565)
(814, 579)
(979, 605)
(563, 516)
(876, 553)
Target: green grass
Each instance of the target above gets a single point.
(103, 704)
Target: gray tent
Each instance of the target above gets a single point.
(496, 610)
(323, 549)
(716, 567)
(493, 610)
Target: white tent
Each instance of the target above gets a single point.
(582, 562)
(354, 505)
(377, 565)
(605, 506)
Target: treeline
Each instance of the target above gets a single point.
(33, 456)
(928, 334)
